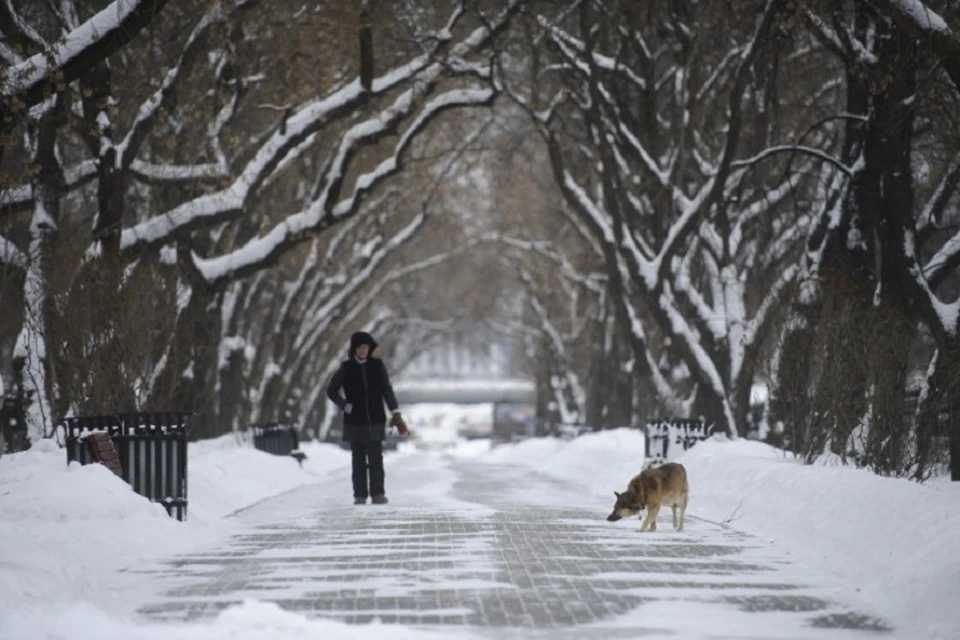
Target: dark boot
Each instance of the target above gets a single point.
(379, 499)
(359, 500)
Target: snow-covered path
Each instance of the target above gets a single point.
(488, 549)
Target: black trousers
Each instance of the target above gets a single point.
(367, 457)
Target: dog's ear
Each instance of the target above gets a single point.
(616, 494)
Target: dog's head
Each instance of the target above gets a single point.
(626, 506)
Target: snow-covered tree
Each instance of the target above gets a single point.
(665, 135)
(208, 165)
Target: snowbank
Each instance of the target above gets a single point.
(895, 541)
(65, 531)
(68, 533)
(227, 475)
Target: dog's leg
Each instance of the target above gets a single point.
(650, 522)
(676, 522)
(683, 512)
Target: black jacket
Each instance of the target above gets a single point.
(366, 386)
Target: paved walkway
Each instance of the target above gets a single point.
(506, 552)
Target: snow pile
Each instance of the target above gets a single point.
(67, 533)
(63, 531)
(896, 541)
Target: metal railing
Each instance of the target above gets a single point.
(665, 435)
(152, 448)
(279, 439)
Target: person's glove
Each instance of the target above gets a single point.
(396, 420)
(347, 408)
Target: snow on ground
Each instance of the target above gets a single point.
(252, 620)
(894, 541)
(67, 533)
(442, 425)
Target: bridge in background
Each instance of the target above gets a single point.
(466, 390)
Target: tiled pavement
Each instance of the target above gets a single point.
(511, 558)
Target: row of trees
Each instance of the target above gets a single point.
(662, 202)
(770, 189)
(194, 210)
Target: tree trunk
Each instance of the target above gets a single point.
(31, 359)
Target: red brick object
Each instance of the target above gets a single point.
(103, 451)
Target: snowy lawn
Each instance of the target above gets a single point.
(894, 541)
(66, 534)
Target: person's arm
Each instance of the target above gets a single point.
(388, 393)
(334, 386)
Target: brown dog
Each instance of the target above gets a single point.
(652, 488)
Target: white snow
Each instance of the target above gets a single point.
(10, 254)
(894, 541)
(923, 16)
(68, 534)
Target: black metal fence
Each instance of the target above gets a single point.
(13, 426)
(665, 436)
(152, 448)
(276, 438)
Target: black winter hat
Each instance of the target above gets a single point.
(359, 338)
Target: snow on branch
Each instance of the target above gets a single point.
(74, 176)
(944, 260)
(213, 208)
(948, 313)
(81, 49)
(333, 307)
(151, 172)
(762, 316)
(824, 33)
(689, 340)
(267, 248)
(148, 111)
(448, 100)
(220, 206)
(11, 256)
(574, 48)
(794, 149)
(919, 17)
(936, 204)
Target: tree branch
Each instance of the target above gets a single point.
(104, 34)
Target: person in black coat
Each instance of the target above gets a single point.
(366, 386)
